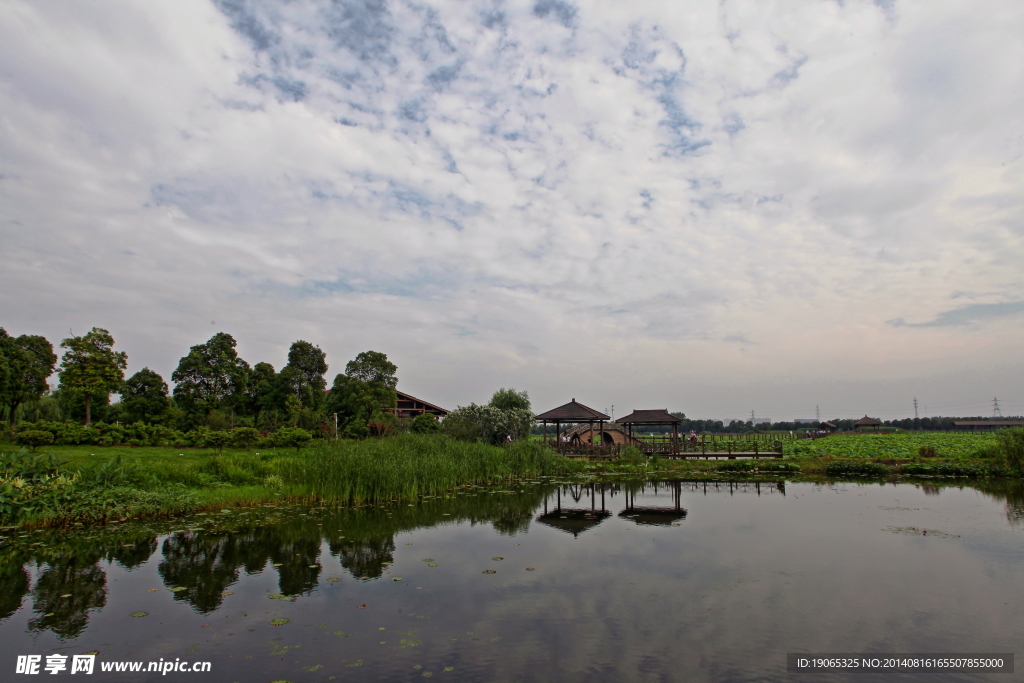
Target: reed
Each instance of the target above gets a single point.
(412, 465)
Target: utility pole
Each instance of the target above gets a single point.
(613, 412)
(915, 408)
(996, 412)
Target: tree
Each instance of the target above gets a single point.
(508, 415)
(90, 365)
(263, 390)
(373, 367)
(510, 399)
(210, 377)
(365, 392)
(303, 376)
(27, 361)
(144, 397)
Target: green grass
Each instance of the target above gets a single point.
(117, 482)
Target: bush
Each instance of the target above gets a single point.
(631, 455)
(218, 439)
(246, 436)
(425, 423)
(291, 437)
(33, 439)
(1011, 447)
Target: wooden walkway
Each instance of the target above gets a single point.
(680, 451)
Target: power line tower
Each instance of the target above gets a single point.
(996, 412)
(751, 417)
(915, 408)
(817, 413)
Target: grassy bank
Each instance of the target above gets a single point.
(81, 484)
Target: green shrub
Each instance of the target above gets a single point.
(33, 439)
(631, 455)
(425, 423)
(246, 437)
(218, 439)
(291, 437)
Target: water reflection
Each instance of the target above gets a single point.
(202, 557)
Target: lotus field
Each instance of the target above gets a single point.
(892, 446)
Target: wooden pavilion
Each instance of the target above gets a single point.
(867, 422)
(654, 417)
(570, 413)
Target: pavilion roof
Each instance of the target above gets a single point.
(573, 520)
(650, 417)
(867, 422)
(572, 412)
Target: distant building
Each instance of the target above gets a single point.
(804, 420)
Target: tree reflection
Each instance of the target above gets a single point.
(13, 587)
(65, 593)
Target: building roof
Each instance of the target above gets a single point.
(402, 396)
(989, 423)
(650, 417)
(867, 422)
(572, 412)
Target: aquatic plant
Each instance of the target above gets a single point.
(411, 465)
(854, 468)
(892, 446)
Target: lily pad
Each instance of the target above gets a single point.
(530, 569)
(139, 614)
(497, 558)
(397, 578)
(177, 589)
(279, 622)
(334, 578)
(490, 571)
(277, 564)
(228, 593)
(433, 564)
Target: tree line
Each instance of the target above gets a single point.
(214, 388)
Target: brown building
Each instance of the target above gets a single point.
(410, 406)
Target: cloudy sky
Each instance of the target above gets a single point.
(713, 206)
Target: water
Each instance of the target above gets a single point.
(543, 581)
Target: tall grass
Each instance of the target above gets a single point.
(411, 465)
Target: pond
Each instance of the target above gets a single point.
(547, 580)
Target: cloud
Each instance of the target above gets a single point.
(515, 192)
(965, 315)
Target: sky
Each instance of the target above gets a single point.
(714, 207)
